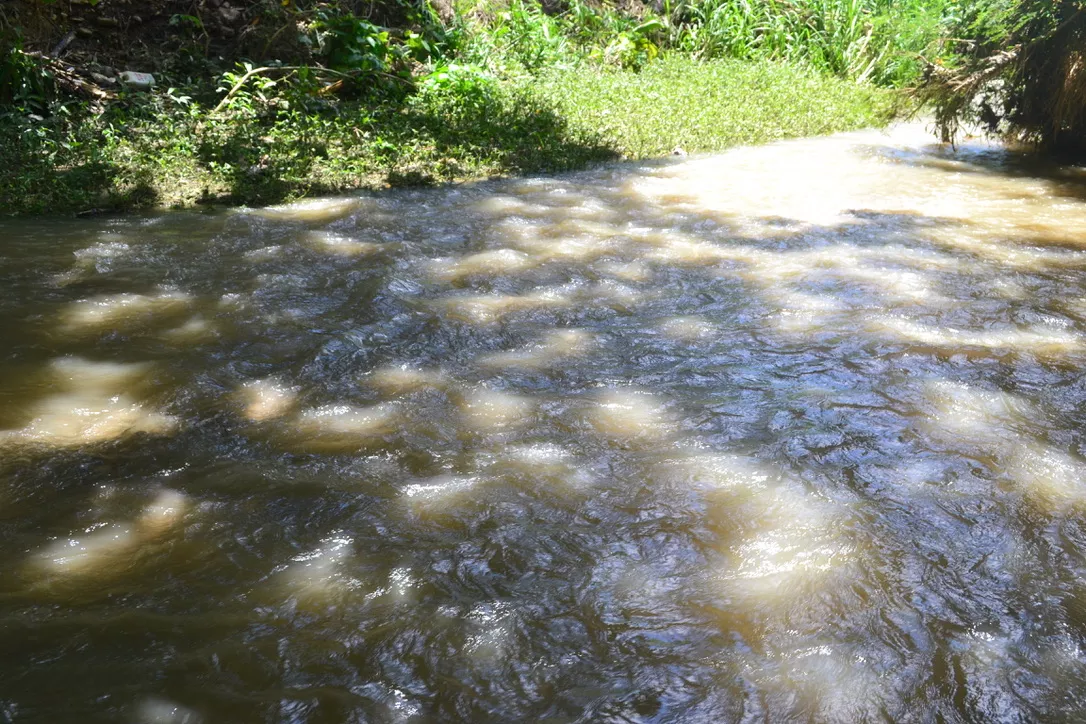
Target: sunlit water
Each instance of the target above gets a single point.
(792, 433)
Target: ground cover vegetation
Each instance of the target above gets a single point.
(269, 100)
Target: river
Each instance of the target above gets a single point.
(790, 433)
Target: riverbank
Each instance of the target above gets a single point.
(164, 151)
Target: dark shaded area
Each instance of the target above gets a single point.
(45, 179)
(179, 35)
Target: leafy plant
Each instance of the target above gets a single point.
(251, 97)
(350, 43)
(633, 48)
(25, 84)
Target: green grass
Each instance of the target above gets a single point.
(710, 106)
(876, 40)
(170, 153)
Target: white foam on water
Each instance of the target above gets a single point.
(104, 549)
(792, 550)
(933, 260)
(341, 427)
(712, 471)
(436, 494)
(1077, 306)
(92, 258)
(401, 584)
(574, 227)
(265, 253)
(311, 210)
(339, 245)
(486, 410)
(318, 576)
(778, 563)
(120, 311)
(545, 461)
(194, 331)
(630, 414)
(830, 682)
(93, 404)
(1038, 340)
(162, 513)
(557, 345)
(614, 294)
(491, 625)
(792, 300)
(494, 262)
(512, 206)
(917, 477)
(1050, 478)
(111, 247)
(156, 710)
(679, 249)
(801, 312)
(575, 241)
(902, 286)
(990, 419)
(485, 308)
(685, 329)
(399, 379)
(233, 301)
(107, 376)
(544, 456)
(111, 548)
(629, 271)
(986, 650)
(576, 205)
(267, 398)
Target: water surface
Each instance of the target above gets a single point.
(792, 433)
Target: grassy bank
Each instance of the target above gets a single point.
(710, 106)
(171, 152)
(267, 101)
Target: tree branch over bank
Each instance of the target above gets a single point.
(1020, 73)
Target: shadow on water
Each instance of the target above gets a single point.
(788, 434)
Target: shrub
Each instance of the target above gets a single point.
(1019, 69)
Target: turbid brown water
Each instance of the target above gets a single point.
(793, 433)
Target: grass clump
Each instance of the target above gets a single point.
(710, 105)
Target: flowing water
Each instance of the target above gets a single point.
(793, 433)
